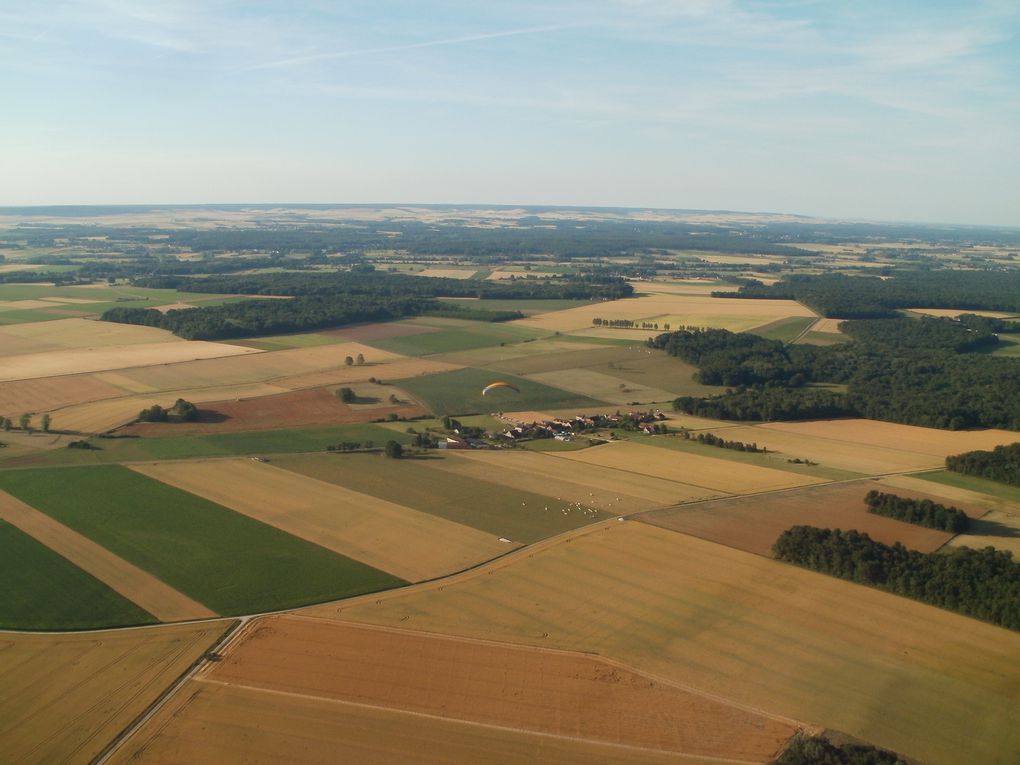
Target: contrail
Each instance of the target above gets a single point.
(411, 46)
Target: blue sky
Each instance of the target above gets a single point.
(884, 110)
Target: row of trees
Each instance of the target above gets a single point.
(711, 439)
(981, 583)
(25, 422)
(1000, 464)
(919, 372)
(920, 512)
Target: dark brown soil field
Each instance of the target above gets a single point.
(753, 523)
(300, 408)
(517, 687)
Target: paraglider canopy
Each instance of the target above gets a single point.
(497, 385)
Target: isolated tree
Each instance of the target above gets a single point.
(393, 450)
(45, 423)
(24, 421)
(5, 423)
(349, 361)
(346, 395)
(361, 359)
(394, 399)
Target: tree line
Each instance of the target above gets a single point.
(711, 439)
(1000, 464)
(920, 512)
(858, 297)
(915, 371)
(983, 583)
(803, 749)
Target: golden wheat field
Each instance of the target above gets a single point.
(65, 697)
(761, 633)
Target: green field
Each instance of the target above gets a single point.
(455, 335)
(786, 329)
(973, 483)
(1009, 345)
(227, 561)
(422, 485)
(113, 450)
(44, 591)
(461, 392)
(527, 307)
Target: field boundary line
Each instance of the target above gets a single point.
(168, 693)
(457, 720)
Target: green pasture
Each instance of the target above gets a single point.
(461, 392)
(44, 591)
(456, 335)
(229, 562)
(787, 329)
(973, 483)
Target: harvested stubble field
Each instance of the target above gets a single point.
(890, 435)
(830, 450)
(404, 542)
(891, 671)
(611, 492)
(256, 366)
(50, 393)
(485, 499)
(717, 475)
(230, 563)
(81, 360)
(753, 523)
(63, 334)
(291, 409)
(110, 413)
(701, 310)
(457, 335)
(131, 582)
(65, 697)
(209, 721)
(530, 689)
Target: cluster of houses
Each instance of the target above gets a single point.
(561, 429)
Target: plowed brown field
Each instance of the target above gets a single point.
(754, 523)
(65, 697)
(293, 409)
(531, 689)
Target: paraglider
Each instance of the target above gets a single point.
(497, 385)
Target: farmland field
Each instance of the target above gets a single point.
(460, 392)
(224, 560)
(404, 542)
(753, 523)
(752, 630)
(601, 386)
(232, 724)
(64, 334)
(484, 499)
(548, 692)
(44, 591)
(697, 470)
(65, 697)
(786, 330)
(290, 409)
(131, 582)
(78, 360)
(608, 490)
(456, 335)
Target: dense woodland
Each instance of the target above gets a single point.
(915, 371)
(981, 583)
(920, 512)
(1000, 464)
(860, 297)
(818, 750)
(331, 300)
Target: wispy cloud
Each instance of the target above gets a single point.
(460, 40)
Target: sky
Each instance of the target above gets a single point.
(905, 110)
